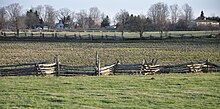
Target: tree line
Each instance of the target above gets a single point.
(11, 17)
(160, 17)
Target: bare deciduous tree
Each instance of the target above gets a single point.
(142, 24)
(50, 16)
(174, 16)
(174, 13)
(159, 14)
(73, 18)
(187, 14)
(138, 23)
(82, 18)
(121, 19)
(21, 24)
(63, 13)
(2, 17)
(40, 11)
(14, 13)
(103, 15)
(94, 14)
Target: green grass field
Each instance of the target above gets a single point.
(164, 91)
(188, 91)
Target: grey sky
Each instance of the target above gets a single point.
(111, 7)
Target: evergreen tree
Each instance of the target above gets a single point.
(66, 21)
(105, 22)
(32, 19)
(201, 17)
(214, 18)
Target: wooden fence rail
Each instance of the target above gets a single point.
(91, 36)
(77, 70)
(20, 69)
(24, 64)
(45, 69)
(145, 68)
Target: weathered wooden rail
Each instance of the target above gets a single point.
(20, 69)
(145, 68)
(91, 36)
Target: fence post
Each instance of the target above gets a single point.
(143, 66)
(56, 35)
(57, 65)
(115, 68)
(17, 33)
(80, 37)
(74, 36)
(122, 36)
(115, 35)
(37, 68)
(90, 36)
(99, 69)
(207, 62)
(97, 65)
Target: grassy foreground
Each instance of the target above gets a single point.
(199, 91)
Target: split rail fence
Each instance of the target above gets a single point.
(91, 36)
(145, 68)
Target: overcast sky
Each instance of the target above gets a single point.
(111, 7)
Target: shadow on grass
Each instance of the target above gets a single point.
(56, 100)
(107, 101)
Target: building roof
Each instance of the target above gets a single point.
(207, 21)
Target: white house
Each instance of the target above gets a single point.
(207, 23)
(60, 25)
